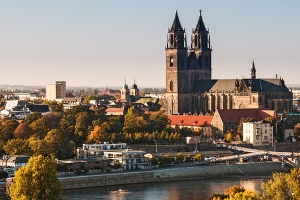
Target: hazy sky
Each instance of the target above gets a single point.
(100, 43)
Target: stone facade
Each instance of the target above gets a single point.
(190, 89)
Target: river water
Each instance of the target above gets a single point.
(176, 190)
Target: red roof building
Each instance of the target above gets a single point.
(229, 119)
(196, 123)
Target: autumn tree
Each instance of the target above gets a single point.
(32, 117)
(114, 124)
(38, 146)
(98, 135)
(7, 128)
(55, 106)
(297, 131)
(37, 181)
(23, 131)
(283, 185)
(42, 126)
(87, 99)
(58, 144)
(237, 192)
(81, 127)
(17, 147)
(134, 122)
(156, 121)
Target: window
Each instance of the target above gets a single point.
(171, 61)
(171, 86)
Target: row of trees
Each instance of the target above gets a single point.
(60, 132)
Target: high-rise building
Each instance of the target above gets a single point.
(56, 91)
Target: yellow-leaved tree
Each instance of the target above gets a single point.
(36, 181)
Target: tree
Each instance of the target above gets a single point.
(133, 123)
(98, 135)
(237, 192)
(228, 137)
(37, 181)
(38, 146)
(55, 106)
(59, 144)
(114, 124)
(283, 185)
(17, 147)
(157, 121)
(32, 117)
(297, 131)
(7, 128)
(198, 156)
(87, 99)
(23, 131)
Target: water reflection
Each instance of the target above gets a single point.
(186, 189)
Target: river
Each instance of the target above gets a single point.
(176, 190)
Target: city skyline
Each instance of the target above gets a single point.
(101, 43)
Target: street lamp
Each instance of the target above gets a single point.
(274, 143)
(155, 145)
(196, 149)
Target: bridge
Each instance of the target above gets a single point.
(291, 159)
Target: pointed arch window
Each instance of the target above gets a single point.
(196, 41)
(171, 61)
(172, 40)
(171, 86)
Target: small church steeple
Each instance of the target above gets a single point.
(253, 71)
(125, 92)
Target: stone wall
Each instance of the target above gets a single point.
(170, 174)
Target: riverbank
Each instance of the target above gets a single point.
(171, 174)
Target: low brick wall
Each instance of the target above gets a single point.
(170, 174)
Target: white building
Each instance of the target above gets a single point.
(97, 150)
(258, 133)
(129, 159)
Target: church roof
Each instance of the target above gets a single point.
(226, 85)
(200, 25)
(176, 23)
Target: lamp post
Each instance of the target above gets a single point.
(196, 149)
(274, 143)
(155, 145)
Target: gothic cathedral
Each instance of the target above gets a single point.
(190, 89)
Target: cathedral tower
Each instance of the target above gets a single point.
(176, 65)
(200, 45)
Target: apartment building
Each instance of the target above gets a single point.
(258, 133)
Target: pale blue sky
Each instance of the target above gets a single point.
(98, 43)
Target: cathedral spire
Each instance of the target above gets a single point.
(176, 35)
(176, 23)
(253, 71)
(200, 35)
(200, 27)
